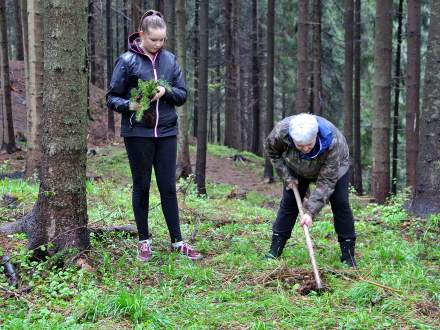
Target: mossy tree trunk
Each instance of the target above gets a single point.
(60, 213)
(426, 199)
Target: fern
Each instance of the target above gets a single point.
(145, 92)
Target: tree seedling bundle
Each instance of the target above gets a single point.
(145, 92)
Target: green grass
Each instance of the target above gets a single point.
(225, 289)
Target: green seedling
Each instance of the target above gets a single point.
(145, 92)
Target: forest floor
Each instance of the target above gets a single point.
(396, 285)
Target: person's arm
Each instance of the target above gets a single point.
(118, 88)
(325, 184)
(274, 147)
(177, 95)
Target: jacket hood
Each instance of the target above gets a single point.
(323, 140)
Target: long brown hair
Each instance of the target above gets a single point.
(152, 19)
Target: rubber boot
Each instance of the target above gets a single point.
(347, 250)
(277, 246)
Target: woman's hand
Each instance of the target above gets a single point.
(306, 220)
(159, 94)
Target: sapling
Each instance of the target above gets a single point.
(145, 92)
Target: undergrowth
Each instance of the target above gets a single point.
(396, 284)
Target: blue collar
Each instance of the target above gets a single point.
(314, 152)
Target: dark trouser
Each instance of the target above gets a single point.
(343, 217)
(143, 154)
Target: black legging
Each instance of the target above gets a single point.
(143, 153)
(343, 217)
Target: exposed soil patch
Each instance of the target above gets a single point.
(290, 277)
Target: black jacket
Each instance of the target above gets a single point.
(134, 65)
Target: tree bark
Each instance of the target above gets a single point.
(170, 18)
(136, 14)
(183, 158)
(92, 52)
(196, 64)
(8, 140)
(412, 90)
(255, 81)
(397, 78)
(357, 165)
(426, 199)
(382, 100)
(126, 23)
(232, 132)
(35, 106)
(18, 31)
(24, 25)
(268, 168)
(317, 81)
(110, 113)
(348, 80)
(301, 82)
(203, 98)
(60, 213)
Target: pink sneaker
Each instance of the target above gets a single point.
(144, 251)
(188, 251)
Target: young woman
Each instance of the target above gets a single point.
(152, 141)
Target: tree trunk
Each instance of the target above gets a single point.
(196, 64)
(268, 168)
(301, 82)
(8, 142)
(218, 96)
(183, 158)
(136, 14)
(126, 23)
(397, 78)
(60, 213)
(317, 81)
(92, 52)
(158, 5)
(348, 80)
(18, 31)
(203, 99)
(255, 81)
(426, 198)
(382, 100)
(110, 113)
(357, 165)
(232, 137)
(35, 106)
(24, 25)
(170, 18)
(412, 90)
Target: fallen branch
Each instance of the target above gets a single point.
(346, 276)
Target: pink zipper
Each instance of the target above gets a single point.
(153, 61)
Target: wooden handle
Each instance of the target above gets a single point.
(308, 240)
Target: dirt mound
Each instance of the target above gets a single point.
(303, 279)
